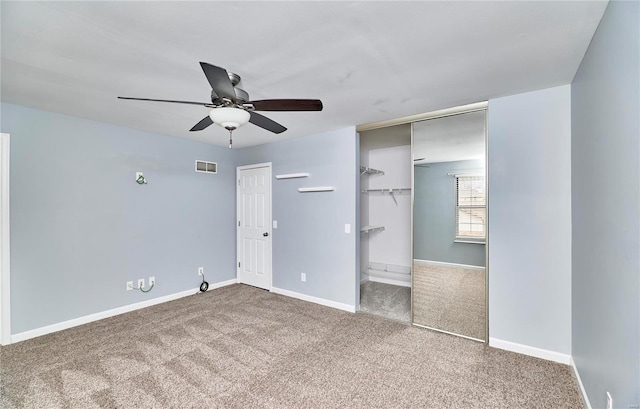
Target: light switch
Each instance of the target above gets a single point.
(275, 224)
(347, 228)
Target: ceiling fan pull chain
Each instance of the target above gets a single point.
(230, 139)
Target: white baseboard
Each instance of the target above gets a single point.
(442, 263)
(401, 283)
(585, 398)
(531, 351)
(364, 277)
(23, 336)
(221, 284)
(316, 300)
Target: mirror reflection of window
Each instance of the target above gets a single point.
(471, 208)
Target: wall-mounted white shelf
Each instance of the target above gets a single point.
(316, 189)
(370, 171)
(292, 175)
(371, 229)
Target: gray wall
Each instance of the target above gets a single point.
(434, 215)
(81, 227)
(310, 236)
(529, 151)
(605, 154)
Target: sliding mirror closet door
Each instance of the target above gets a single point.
(450, 224)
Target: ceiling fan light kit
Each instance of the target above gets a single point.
(229, 118)
(231, 108)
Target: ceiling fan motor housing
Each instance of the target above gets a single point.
(241, 96)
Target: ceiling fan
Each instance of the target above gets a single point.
(231, 107)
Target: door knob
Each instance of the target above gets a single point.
(265, 234)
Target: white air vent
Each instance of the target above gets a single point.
(206, 167)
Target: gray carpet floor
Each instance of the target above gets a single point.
(386, 300)
(240, 347)
(450, 298)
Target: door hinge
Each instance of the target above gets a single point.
(238, 223)
(238, 264)
(238, 182)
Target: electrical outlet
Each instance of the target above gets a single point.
(303, 277)
(200, 271)
(129, 285)
(141, 283)
(152, 281)
(609, 401)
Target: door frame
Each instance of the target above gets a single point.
(5, 264)
(269, 167)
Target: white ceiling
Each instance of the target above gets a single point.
(367, 61)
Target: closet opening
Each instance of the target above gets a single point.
(385, 222)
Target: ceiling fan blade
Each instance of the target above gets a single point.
(266, 123)
(219, 80)
(206, 121)
(167, 100)
(288, 105)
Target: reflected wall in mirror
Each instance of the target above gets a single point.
(449, 224)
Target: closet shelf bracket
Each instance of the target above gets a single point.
(370, 171)
(393, 197)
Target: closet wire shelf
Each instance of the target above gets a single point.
(392, 192)
(387, 190)
(371, 229)
(389, 268)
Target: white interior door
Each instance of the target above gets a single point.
(5, 316)
(254, 225)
